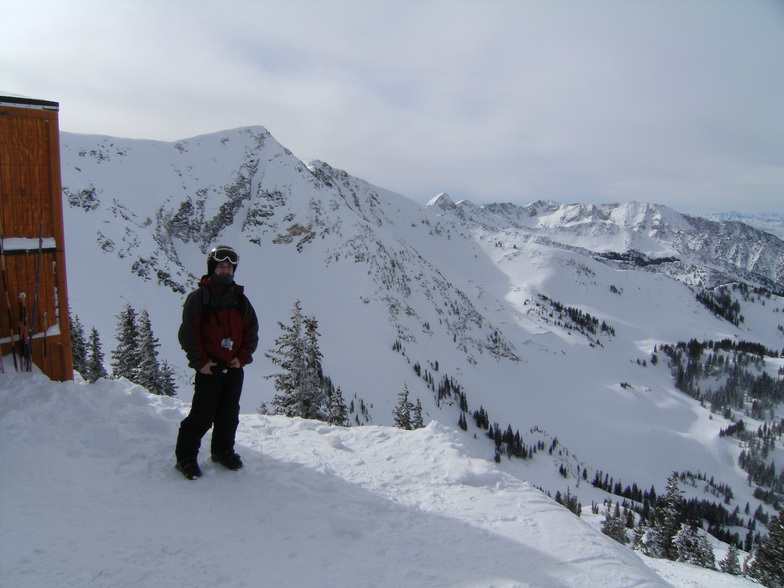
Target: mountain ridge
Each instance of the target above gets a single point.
(654, 230)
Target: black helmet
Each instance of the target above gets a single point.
(221, 253)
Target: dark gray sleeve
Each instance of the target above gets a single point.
(188, 335)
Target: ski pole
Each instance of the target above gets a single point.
(7, 297)
(35, 298)
(23, 330)
(46, 334)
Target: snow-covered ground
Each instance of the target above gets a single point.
(89, 497)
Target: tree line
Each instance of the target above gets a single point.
(721, 304)
(753, 458)
(672, 531)
(574, 318)
(731, 376)
(135, 357)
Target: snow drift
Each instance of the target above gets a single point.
(90, 498)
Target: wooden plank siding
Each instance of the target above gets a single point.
(31, 206)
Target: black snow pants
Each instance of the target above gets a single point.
(216, 403)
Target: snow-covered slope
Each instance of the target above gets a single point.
(484, 297)
(89, 498)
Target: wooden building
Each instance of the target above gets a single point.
(35, 328)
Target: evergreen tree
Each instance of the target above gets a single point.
(649, 541)
(94, 368)
(767, 566)
(302, 387)
(78, 346)
(417, 421)
(402, 412)
(692, 547)
(148, 374)
(614, 527)
(289, 355)
(730, 563)
(125, 358)
(314, 393)
(338, 411)
(656, 539)
(166, 384)
(671, 514)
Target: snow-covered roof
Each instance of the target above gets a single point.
(10, 99)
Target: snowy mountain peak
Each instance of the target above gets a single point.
(442, 201)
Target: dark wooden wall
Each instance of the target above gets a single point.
(31, 207)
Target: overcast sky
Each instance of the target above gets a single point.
(678, 102)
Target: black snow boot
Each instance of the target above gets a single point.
(189, 468)
(228, 459)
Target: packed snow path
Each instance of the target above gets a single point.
(90, 498)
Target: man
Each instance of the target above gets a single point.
(219, 334)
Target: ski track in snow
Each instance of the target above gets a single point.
(90, 498)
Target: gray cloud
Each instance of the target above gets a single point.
(678, 102)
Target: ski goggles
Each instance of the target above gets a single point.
(229, 255)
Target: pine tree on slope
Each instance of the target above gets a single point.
(417, 422)
(768, 564)
(315, 397)
(614, 527)
(692, 547)
(78, 346)
(730, 564)
(288, 355)
(125, 358)
(95, 368)
(672, 514)
(656, 539)
(302, 387)
(148, 372)
(167, 385)
(337, 409)
(402, 412)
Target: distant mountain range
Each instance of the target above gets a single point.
(642, 234)
(771, 222)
